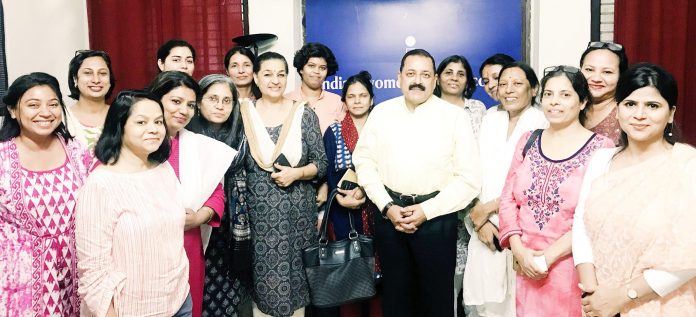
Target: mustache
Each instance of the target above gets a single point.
(416, 85)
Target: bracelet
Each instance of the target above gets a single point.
(211, 213)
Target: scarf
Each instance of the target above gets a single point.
(261, 146)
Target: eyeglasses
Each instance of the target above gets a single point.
(215, 99)
(608, 45)
(563, 68)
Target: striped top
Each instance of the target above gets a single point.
(129, 235)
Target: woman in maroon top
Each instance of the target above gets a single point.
(602, 63)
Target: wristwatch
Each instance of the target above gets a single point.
(385, 209)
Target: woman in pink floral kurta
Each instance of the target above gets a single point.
(38, 274)
(539, 198)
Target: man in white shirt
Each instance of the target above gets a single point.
(417, 160)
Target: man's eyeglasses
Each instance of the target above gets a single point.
(563, 68)
(608, 45)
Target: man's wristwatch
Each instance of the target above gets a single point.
(385, 209)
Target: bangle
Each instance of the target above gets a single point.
(211, 213)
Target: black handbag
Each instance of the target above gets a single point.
(339, 272)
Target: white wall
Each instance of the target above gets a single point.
(559, 32)
(284, 19)
(43, 35)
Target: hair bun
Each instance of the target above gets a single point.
(365, 75)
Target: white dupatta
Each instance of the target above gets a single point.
(261, 146)
(489, 277)
(203, 162)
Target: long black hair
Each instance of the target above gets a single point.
(10, 127)
(470, 83)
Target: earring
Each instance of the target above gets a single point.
(671, 126)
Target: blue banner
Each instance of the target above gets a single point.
(373, 35)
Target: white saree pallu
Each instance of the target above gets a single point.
(262, 148)
(203, 162)
(489, 280)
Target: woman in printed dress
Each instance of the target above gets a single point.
(227, 290)
(91, 82)
(282, 198)
(540, 195)
(41, 169)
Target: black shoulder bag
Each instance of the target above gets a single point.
(339, 272)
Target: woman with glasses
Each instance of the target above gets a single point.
(41, 171)
(91, 82)
(130, 217)
(200, 164)
(540, 195)
(633, 233)
(227, 290)
(602, 63)
(489, 282)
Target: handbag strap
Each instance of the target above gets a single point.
(323, 239)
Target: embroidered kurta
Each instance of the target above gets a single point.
(538, 203)
(130, 243)
(641, 218)
(38, 261)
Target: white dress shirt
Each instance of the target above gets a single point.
(418, 152)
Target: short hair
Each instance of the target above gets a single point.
(649, 75)
(416, 52)
(108, 147)
(470, 83)
(166, 48)
(528, 72)
(266, 57)
(621, 54)
(579, 83)
(496, 59)
(310, 50)
(250, 55)
(364, 78)
(10, 127)
(231, 132)
(74, 67)
(167, 81)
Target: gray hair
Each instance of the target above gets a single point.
(213, 79)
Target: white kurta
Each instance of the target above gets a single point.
(489, 277)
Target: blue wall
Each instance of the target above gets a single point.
(373, 35)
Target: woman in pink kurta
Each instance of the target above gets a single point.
(540, 194)
(200, 164)
(41, 169)
(633, 236)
